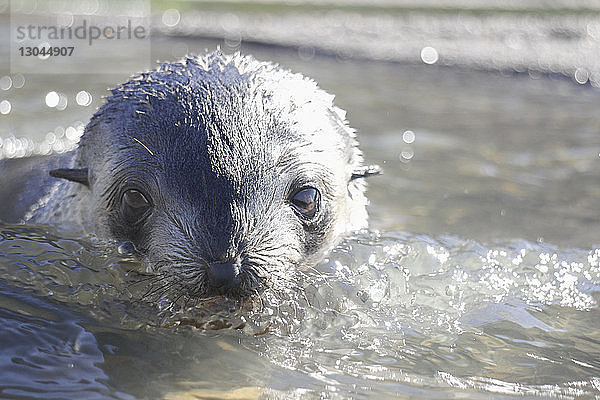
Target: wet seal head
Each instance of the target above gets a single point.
(223, 171)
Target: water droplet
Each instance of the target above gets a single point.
(126, 248)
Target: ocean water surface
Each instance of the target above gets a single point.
(478, 277)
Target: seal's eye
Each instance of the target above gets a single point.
(134, 205)
(306, 201)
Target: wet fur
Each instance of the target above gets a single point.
(220, 143)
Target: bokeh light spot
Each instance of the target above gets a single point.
(171, 17)
(429, 55)
(83, 98)
(52, 99)
(408, 137)
(5, 83)
(5, 107)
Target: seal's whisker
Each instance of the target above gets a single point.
(166, 284)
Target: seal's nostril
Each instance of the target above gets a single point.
(224, 275)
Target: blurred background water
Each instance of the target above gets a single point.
(478, 278)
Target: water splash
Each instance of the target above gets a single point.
(385, 312)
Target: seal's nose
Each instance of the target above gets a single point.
(224, 276)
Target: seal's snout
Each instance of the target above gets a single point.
(224, 276)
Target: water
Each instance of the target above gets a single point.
(478, 279)
(384, 314)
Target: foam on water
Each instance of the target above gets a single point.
(383, 313)
(508, 317)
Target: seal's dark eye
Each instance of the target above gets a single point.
(134, 205)
(306, 201)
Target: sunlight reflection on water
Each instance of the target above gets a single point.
(436, 315)
(413, 309)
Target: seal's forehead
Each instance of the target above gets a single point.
(225, 97)
(232, 113)
(217, 76)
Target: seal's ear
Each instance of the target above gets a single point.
(74, 175)
(366, 171)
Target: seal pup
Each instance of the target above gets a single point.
(223, 172)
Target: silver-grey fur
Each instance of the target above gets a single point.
(218, 142)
